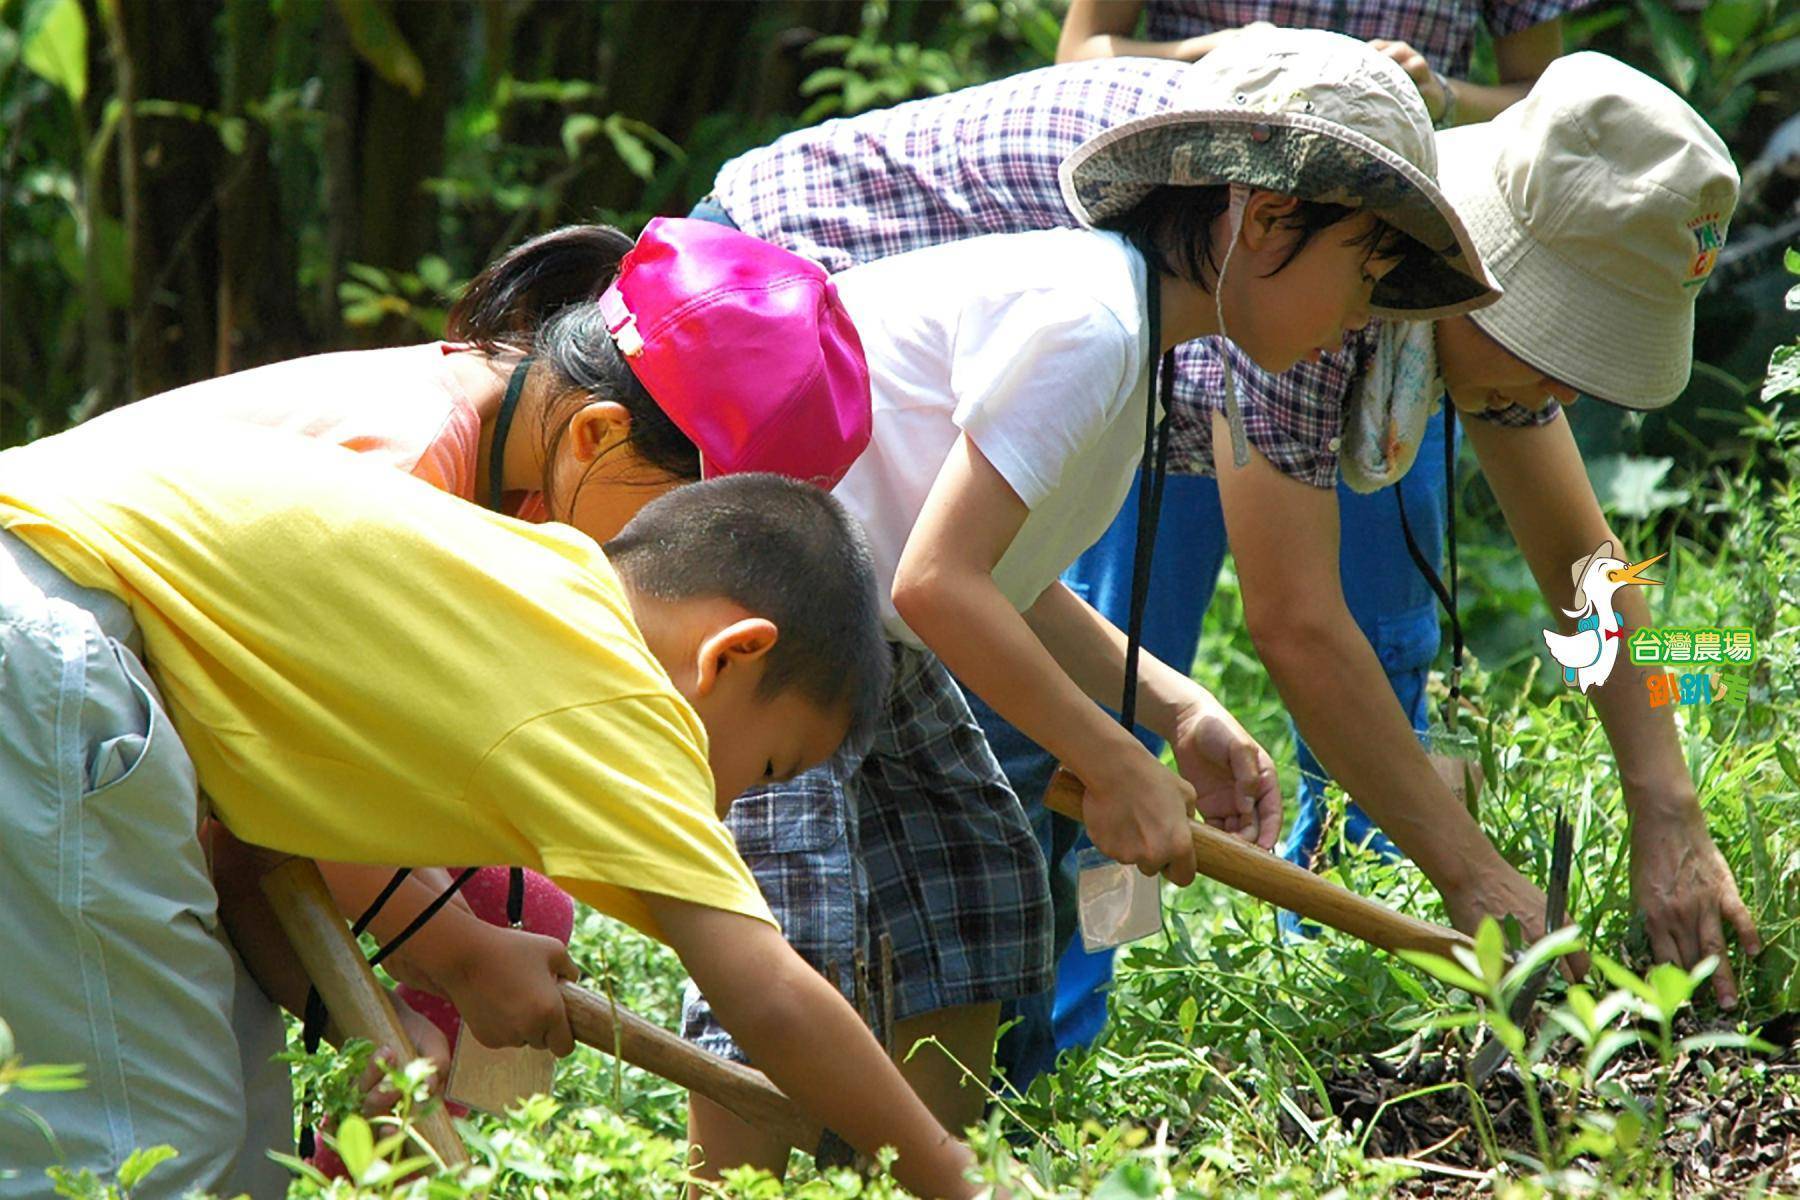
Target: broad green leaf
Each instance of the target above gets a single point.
(1724, 1039)
(1675, 44)
(1490, 951)
(1783, 379)
(1572, 1024)
(1552, 945)
(50, 1077)
(1607, 1047)
(1443, 969)
(823, 79)
(630, 147)
(1628, 1127)
(1406, 983)
(1580, 1001)
(381, 44)
(375, 277)
(436, 274)
(858, 94)
(56, 48)
(140, 1163)
(1771, 60)
(1462, 1018)
(1790, 766)
(577, 128)
(1728, 22)
(1186, 1016)
(1674, 986)
(1632, 487)
(1790, 258)
(109, 247)
(1622, 977)
(355, 1144)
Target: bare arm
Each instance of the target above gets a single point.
(1234, 779)
(502, 981)
(1520, 58)
(1680, 879)
(801, 1033)
(944, 590)
(1284, 539)
(1104, 28)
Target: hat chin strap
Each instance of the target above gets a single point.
(1234, 416)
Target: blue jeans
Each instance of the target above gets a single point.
(1391, 603)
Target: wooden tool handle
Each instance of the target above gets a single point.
(599, 1023)
(1237, 863)
(358, 1004)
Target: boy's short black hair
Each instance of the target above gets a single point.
(786, 551)
(1172, 228)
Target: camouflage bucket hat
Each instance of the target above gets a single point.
(1309, 114)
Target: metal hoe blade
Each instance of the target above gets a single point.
(1556, 904)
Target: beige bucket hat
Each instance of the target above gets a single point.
(1310, 114)
(1601, 202)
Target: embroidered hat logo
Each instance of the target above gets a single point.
(1708, 231)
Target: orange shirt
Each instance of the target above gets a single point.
(408, 406)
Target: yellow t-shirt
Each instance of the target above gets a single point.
(366, 669)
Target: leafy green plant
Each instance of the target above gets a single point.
(1783, 378)
(1722, 56)
(1599, 1118)
(16, 1074)
(372, 295)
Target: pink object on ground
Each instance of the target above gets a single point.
(746, 347)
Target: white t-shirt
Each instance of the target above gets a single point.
(1033, 344)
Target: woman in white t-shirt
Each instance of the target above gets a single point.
(1286, 199)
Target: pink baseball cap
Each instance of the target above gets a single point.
(746, 346)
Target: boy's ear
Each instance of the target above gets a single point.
(1263, 213)
(596, 427)
(736, 645)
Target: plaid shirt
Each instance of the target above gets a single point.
(984, 160)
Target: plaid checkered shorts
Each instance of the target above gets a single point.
(917, 837)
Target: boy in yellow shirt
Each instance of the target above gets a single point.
(349, 663)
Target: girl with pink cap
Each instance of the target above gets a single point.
(545, 404)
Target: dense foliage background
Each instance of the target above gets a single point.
(188, 188)
(195, 187)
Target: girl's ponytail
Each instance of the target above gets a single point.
(508, 304)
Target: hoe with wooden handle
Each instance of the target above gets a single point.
(1238, 864)
(600, 1023)
(336, 965)
(361, 1008)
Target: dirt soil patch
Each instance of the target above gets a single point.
(1721, 1138)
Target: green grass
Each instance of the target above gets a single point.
(1239, 1064)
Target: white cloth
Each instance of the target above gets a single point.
(1033, 344)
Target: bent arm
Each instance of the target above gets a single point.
(944, 590)
(1284, 539)
(1520, 58)
(804, 1036)
(1681, 880)
(1104, 28)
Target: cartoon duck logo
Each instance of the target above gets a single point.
(1587, 656)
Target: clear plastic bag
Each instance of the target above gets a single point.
(1116, 903)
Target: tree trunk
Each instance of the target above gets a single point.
(125, 76)
(259, 318)
(179, 165)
